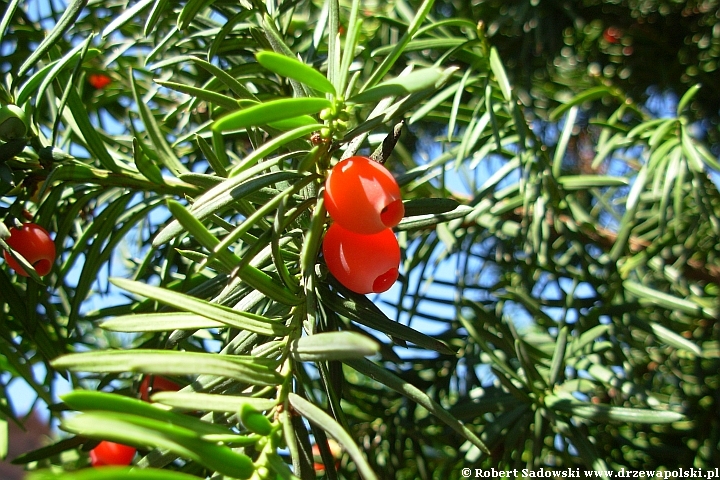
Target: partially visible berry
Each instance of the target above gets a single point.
(153, 384)
(111, 453)
(362, 196)
(363, 263)
(99, 80)
(34, 243)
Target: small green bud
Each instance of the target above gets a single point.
(325, 114)
(254, 421)
(13, 123)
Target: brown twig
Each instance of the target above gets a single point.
(383, 151)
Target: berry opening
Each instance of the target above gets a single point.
(385, 281)
(392, 213)
(42, 267)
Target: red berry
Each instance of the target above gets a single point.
(152, 384)
(111, 453)
(99, 80)
(612, 34)
(335, 450)
(363, 263)
(34, 243)
(362, 196)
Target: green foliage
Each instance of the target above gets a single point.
(553, 50)
(558, 300)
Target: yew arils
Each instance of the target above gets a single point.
(152, 384)
(363, 263)
(362, 196)
(111, 453)
(99, 80)
(34, 243)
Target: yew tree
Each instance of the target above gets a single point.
(557, 295)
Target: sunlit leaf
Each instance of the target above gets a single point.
(219, 313)
(586, 96)
(608, 413)
(169, 362)
(401, 86)
(332, 346)
(159, 322)
(268, 112)
(86, 401)
(165, 153)
(290, 67)
(210, 402)
(139, 431)
(500, 75)
(111, 473)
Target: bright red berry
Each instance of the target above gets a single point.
(34, 243)
(152, 384)
(362, 196)
(612, 34)
(111, 453)
(99, 80)
(363, 263)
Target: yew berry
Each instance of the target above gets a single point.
(152, 384)
(362, 196)
(363, 263)
(612, 34)
(99, 80)
(34, 243)
(335, 450)
(111, 453)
